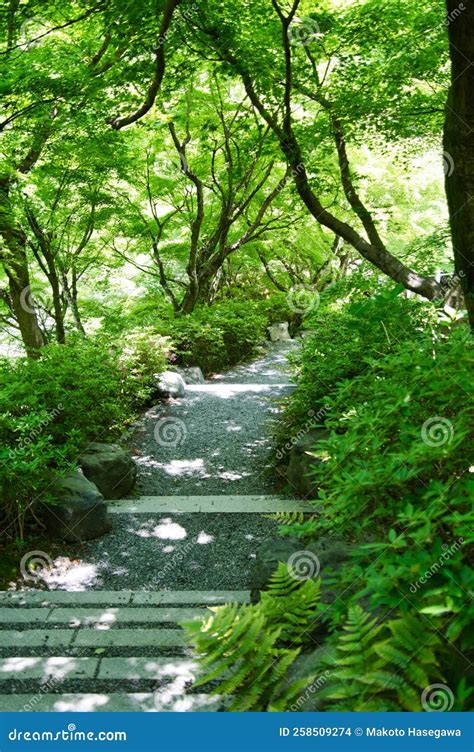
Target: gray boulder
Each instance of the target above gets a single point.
(303, 461)
(192, 375)
(278, 332)
(79, 513)
(169, 384)
(111, 469)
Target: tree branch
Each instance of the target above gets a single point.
(160, 64)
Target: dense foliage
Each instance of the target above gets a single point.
(176, 176)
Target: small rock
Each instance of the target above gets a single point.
(279, 331)
(192, 375)
(111, 469)
(80, 513)
(169, 384)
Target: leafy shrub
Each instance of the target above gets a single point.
(144, 353)
(50, 408)
(342, 341)
(380, 667)
(219, 336)
(396, 476)
(395, 482)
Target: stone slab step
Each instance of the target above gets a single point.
(122, 598)
(62, 668)
(105, 617)
(45, 669)
(92, 638)
(36, 638)
(158, 669)
(110, 703)
(208, 504)
(226, 389)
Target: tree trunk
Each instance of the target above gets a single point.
(459, 145)
(190, 299)
(377, 255)
(71, 297)
(58, 308)
(22, 304)
(15, 262)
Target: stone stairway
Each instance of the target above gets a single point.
(114, 650)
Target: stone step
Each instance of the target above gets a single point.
(92, 638)
(45, 669)
(110, 598)
(110, 703)
(226, 389)
(208, 505)
(105, 617)
(101, 640)
(66, 668)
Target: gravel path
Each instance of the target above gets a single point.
(223, 430)
(216, 440)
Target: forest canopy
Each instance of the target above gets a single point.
(191, 145)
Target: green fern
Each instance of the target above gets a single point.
(295, 524)
(248, 649)
(286, 518)
(291, 604)
(247, 652)
(369, 674)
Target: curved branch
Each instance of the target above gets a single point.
(160, 64)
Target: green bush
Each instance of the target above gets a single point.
(219, 336)
(396, 482)
(144, 353)
(342, 340)
(50, 408)
(396, 473)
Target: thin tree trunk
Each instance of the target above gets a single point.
(22, 304)
(58, 308)
(459, 145)
(15, 262)
(71, 297)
